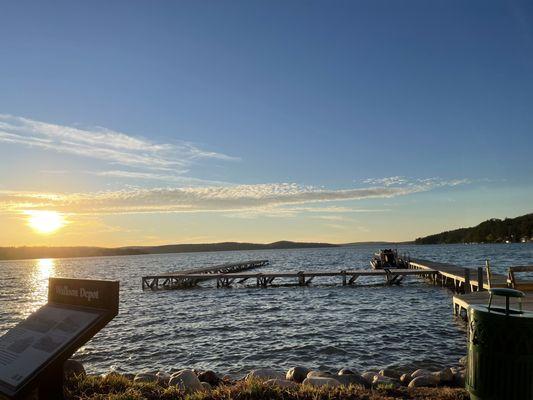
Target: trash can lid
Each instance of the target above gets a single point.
(506, 292)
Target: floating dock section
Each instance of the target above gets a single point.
(167, 280)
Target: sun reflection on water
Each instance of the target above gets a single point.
(43, 269)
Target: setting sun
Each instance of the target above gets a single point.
(45, 222)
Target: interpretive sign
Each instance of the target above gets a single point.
(33, 352)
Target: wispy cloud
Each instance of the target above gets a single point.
(405, 181)
(103, 144)
(388, 181)
(153, 176)
(265, 197)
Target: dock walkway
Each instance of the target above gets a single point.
(461, 279)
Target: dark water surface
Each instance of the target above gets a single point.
(235, 330)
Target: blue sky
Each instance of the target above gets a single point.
(330, 95)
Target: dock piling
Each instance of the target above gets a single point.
(467, 288)
(480, 286)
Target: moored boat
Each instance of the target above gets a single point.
(385, 259)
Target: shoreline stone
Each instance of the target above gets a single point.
(190, 380)
(209, 377)
(380, 380)
(320, 381)
(348, 371)
(186, 380)
(282, 383)
(297, 374)
(424, 381)
(265, 374)
(145, 377)
(352, 379)
(72, 368)
(319, 374)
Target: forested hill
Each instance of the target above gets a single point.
(494, 230)
(18, 253)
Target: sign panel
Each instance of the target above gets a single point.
(84, 293)
(38, 346)
(42, 335)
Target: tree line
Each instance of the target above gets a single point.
(519, 229)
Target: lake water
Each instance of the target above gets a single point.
(234, 330)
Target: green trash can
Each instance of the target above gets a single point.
(500, 350)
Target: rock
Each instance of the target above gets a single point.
(445, 376)
(265, 374)
(380, 380)
(282, 383)
(145, 377)
(186, 380)
(319, 381)
(352, 379)
(369, 376)
(390, 373)
(297, 374)
(405, 379)
(129, 376)
(463, 361)
(424, 381)
(73, 368)
(209, 377)
(206, 386)
(319, 374)
(347, 371)
(420, 372)
(459, 379)
(162, 377)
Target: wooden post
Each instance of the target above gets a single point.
(343, 278)
(467, 288)
(489, 273)
(301, 278)
(480, 279)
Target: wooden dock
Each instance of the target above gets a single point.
(300, 278)
(153, 282)
(470, 285)
(460, 279)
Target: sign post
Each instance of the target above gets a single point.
(32, 354)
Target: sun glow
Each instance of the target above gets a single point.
(45, 222)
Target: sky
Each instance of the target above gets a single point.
(141, 122)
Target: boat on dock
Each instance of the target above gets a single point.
(387, 259)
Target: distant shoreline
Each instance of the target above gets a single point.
(40, 252)
(36, 252)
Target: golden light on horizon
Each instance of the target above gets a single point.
(45, 222)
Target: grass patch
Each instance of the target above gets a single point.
(117, 387)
